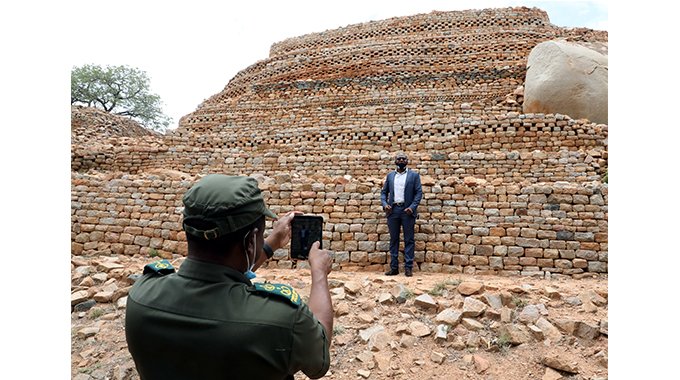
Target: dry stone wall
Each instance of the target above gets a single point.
(513, 147)
(86, 120)
(464, 226)
(318, 124)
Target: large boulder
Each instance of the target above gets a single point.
(568, 78)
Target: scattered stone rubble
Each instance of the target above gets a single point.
(388, 327)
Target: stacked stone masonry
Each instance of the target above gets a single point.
(513, 147)
(319, 122)
(87, 119)
(468, 227)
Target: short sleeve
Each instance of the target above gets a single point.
(310, 351)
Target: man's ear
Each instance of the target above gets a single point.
(252, 240)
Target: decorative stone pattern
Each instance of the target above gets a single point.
(319, 122)
(513, 147)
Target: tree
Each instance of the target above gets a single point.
(120, 90)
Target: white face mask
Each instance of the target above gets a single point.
(249, 273)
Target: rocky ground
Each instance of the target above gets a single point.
(429, 326)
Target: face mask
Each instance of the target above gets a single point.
(401, 165)
(249, 273)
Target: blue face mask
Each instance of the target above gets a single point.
(250, 274)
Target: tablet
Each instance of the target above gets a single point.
(305, 230)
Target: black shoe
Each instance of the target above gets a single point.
(392, 272)
(408, 273)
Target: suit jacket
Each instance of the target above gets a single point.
(413, 191)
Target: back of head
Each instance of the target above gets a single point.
(220, 209)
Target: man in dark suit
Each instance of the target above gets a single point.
(400, 197)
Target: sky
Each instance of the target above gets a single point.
(191, 53)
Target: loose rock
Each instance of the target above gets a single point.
(559, 363)
(449, 316)
(470, 288)
(481, 364)
(419, 329)
(85, 305)
(426, 301)
(473, 307)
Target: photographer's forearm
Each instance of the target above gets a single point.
(279, 237)
(320, 302)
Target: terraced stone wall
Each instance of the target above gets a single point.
(438, 57)
(512, 147)
(318, 123)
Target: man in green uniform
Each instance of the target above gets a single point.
(207, 320)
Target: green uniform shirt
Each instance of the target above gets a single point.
(210, 322)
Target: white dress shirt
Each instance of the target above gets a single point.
(399, 185)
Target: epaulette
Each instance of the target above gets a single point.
(161, 267)
(280, 290)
